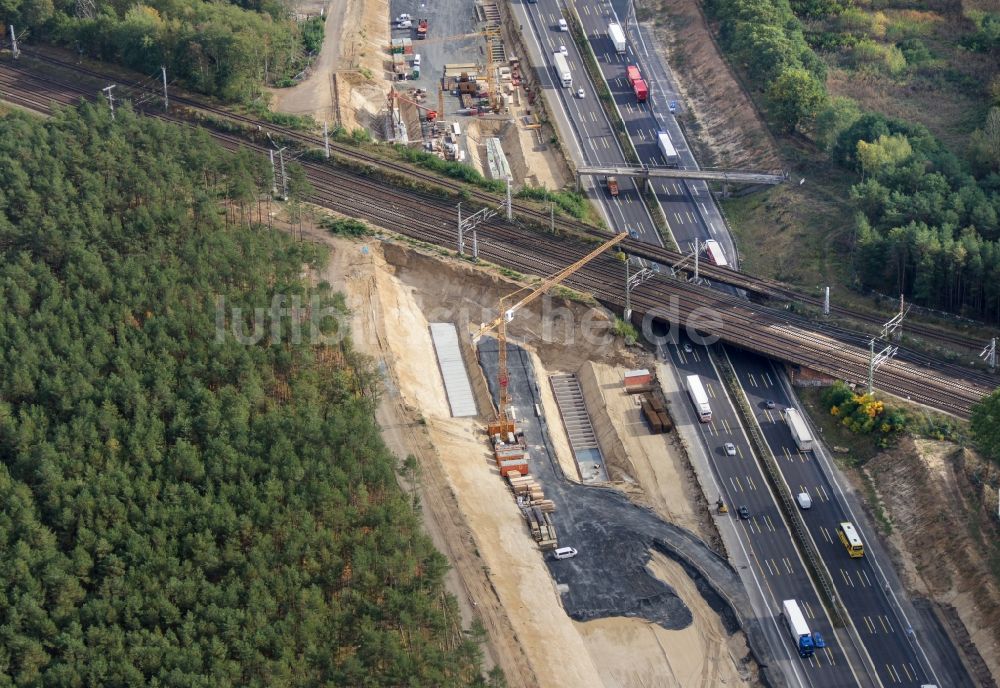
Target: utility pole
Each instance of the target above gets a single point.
(284, 179)
(826, 301)
(990, 354)
(890, 329)
(326, 138)
(628, 295)
(274, 176)
(510, 208)
(166, 98)
(13, 43)
(697, 250)
(475, 243)
(111, 98)
(461, 239)
(552, 217)
(631, 283)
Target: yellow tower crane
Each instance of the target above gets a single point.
(502, 425)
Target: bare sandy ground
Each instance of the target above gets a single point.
(499, 575)
(347, 84)
(934, 496)
(631, 653)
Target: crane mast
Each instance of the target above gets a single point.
(502, 424)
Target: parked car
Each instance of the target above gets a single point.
(672, 106)
(565, 553)
(563, 26)
(416, 60)
(743, 513)
(730, 449)
(580, 93)
(404, 24)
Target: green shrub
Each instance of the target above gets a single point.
(985, 426)
(863, 413)
(312, 34)
(884, 58)
(626, 331)
(345, 227)
(569, 202)
(915, 51)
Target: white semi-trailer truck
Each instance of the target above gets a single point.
(562, 69)
(800, 431)
(805, 641)
(698, 397)
(617, 37)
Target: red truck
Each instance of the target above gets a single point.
(422, 29)
(637, 83)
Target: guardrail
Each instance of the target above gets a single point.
(773, 474)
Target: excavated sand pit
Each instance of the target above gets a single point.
(499, 575)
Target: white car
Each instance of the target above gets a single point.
(805, 501)
(404, 24)
(580, 93)
(563, 26)
(403, 17)
(730, 449)
(562, 49)
(416, 60)
(565, 553)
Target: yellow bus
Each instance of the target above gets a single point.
(849, 536)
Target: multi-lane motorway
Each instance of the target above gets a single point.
(883, 645)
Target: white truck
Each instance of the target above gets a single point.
(713, 249)
(805, 641)
(617, 37)
(698, 397)
(562, 69)
(800, 431)
(667, 149)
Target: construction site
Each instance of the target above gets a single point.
(443, 86)
(508, 437)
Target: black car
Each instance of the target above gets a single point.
(769, 404)
(743, 513)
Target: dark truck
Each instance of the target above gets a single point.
(612, 183)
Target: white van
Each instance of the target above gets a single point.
(805, 501)
(416, 60)
(563, 26)
(565, 553)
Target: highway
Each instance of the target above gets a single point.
(884, 631)
(765, 537)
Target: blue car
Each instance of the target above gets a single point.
(672, 105)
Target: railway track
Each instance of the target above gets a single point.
(769, 331)
(953, 341)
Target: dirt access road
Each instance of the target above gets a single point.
(350, 61)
